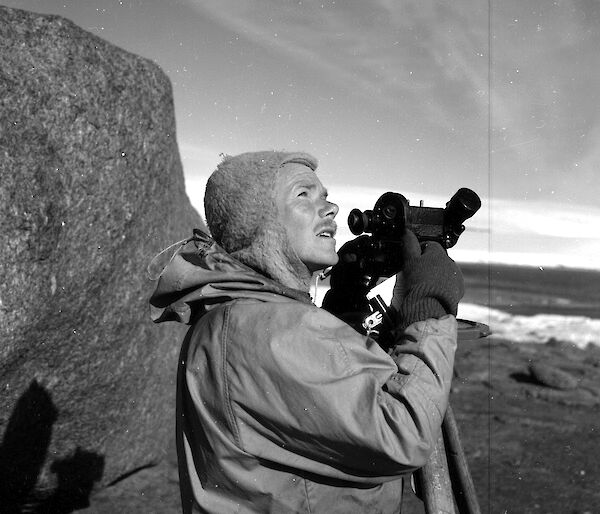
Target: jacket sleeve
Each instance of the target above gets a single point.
(316, 395)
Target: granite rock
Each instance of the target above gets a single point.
(91, 187)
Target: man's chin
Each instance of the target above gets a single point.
(324, 263)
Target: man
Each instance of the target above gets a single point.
(281, 406)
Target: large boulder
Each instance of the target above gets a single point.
(91, 187)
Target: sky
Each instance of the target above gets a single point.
(416, 97)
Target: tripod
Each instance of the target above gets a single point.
(444, 484)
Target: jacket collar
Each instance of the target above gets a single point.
(195, 275)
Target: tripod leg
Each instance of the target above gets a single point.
(433, 485)
(464, 489)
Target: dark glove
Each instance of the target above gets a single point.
(432, 285)
(346, 297)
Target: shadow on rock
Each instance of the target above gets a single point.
(24, 446)
(524, 378)
(23, 453)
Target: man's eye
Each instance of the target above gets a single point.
(303, 193)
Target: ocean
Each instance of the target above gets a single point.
(534, 304)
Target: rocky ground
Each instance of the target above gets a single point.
(532, 447)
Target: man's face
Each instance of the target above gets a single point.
(306, 215)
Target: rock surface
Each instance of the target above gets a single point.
(91, 187)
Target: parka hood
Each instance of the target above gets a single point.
(196, 274)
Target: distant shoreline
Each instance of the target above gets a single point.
(527, 290)
(546, 267)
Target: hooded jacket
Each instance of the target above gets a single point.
(281, 406)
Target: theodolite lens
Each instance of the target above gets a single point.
(358, 221)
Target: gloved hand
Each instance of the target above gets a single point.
(348, 287)
(430, 285)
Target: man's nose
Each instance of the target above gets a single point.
(329, 209)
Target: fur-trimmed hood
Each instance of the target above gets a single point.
(196, 274)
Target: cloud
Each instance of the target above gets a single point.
(428, 64)
(383, 50)
(295, 32)
(544, 82)
(549, 219)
